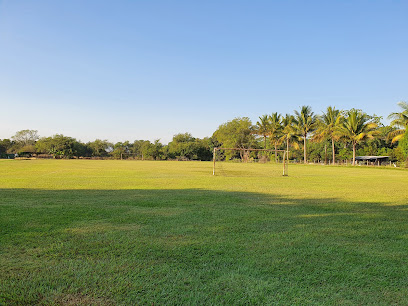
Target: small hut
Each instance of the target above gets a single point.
(372, 160)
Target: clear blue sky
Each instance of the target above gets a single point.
(126, 70)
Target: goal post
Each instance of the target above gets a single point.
(285, 160)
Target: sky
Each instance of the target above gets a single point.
(127, 70)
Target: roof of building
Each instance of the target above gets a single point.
(371, 157)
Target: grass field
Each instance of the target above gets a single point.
(140, 232)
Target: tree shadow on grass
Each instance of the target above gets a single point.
(199, 246)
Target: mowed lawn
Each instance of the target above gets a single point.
(142, 232)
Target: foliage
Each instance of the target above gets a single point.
(24, 141)
(305, 123)
(403, 144)
(120, 148)
(289, 134)
(59, 146)
(5, 145)
(185, 146)
(345, 153)
(357, 127)
(237, 133)
(140, 148)
(275, 128)
(100, 148)
(284, 133)
(262, 128)
(327, 126)
(400, 122)
(26, 137)
(156, 150)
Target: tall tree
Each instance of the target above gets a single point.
(100, 147)
(288, 131)
(59, 146)
(5, 145)
(140, 148)
(305, 122)
(120, 148)
(328, 125)
(184, 146)
(24, 141)
(262, 128)
(155, 150)
(237, 133)
(400, 121)
(26, 137)
(275, 130)
(357, 127)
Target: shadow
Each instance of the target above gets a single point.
(198, 246)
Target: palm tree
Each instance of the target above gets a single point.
(328, 125)
(400, 121)
(275, 129)
(357, 127)
(288, 130)
(305, 122)
(262, 127)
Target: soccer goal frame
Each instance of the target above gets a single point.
(285, 156)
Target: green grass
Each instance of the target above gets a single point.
(133, 232)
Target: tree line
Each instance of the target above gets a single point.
(335, 135)
(29, 143)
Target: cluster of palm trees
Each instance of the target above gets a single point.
(352, 126)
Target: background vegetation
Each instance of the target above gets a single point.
(333, 136)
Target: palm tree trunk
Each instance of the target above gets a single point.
(354, 153)
(334, 154)
(276, 154)
(304, 148)
(264, 142)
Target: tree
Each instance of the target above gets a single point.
(204, 148)
(289, 131)
(327, 127)
(59, 146)
(237, 133)
(100, 148)
(24, 141)
(403, 144)
(155, 150)
(140, 148)
(262, 128)
(26, 137)
(275, 130)
(305, 123)
(400, 121)
(357, 127)
(185, 146)
(5, 145)
(119, 148)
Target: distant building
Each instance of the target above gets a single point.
(376, 160)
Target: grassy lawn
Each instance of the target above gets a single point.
(140, 232)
